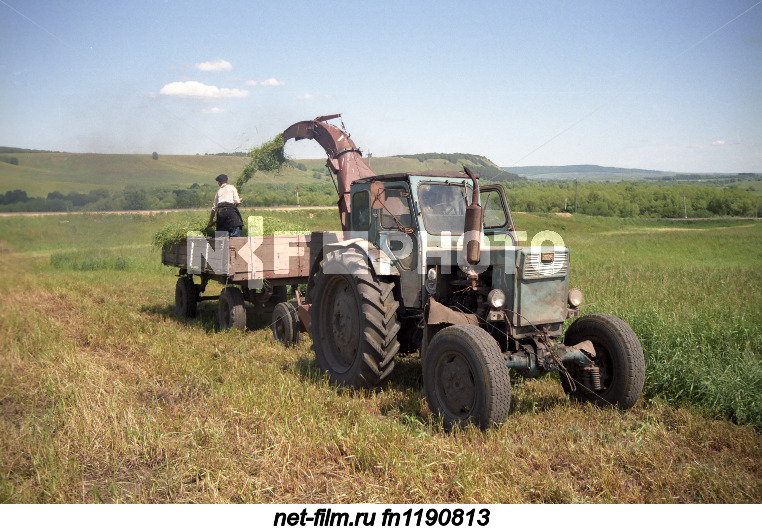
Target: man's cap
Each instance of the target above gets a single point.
(222, 178)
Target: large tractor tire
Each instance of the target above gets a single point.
(354, 320)
(466, 377)
(186, 297)
(231, 310)
(285, 324)
(618, 356)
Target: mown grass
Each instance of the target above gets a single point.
(108, 397)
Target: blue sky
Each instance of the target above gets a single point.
(668, 85)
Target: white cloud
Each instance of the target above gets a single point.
(197, 90)
(272, 81)
(214, 110)
(310, 97)
(214, 65)
(718, 143)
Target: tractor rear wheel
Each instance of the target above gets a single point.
(466, 377)
(354, 320)
(231, 310)
(618, 357)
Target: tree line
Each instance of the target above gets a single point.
(193, 197)
(625, 199)
(633, 199)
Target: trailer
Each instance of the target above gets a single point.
(257, 270)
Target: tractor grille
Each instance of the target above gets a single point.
(542, 264)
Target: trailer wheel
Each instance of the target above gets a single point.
(186, 297)
(466, 378)
(230, 309)
(354, 320)
(285, 324)
(619, 358)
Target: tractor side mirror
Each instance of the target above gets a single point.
(377, 195)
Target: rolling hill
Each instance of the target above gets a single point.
(584, 172)
(40, 173)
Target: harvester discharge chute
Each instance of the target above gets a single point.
(344, 158)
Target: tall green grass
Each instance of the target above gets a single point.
(81, 261)
(709, 360)
(694, 298)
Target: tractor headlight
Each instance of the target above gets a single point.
(575, 297)
(431, 281)
(496, 298)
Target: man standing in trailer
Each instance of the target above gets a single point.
(225, 206)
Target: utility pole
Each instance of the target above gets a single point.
(685, 207)
(575, 196)
(565, 201)
(297, 196)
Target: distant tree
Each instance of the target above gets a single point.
(136, 200)
(80, 199)
(155, 155)
(15, 196)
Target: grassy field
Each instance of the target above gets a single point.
(108, 397)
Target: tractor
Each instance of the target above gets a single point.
(431, 262)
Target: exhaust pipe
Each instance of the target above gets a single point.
(474, 222)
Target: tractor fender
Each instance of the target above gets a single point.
(382, 265)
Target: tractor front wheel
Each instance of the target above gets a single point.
(466, 377)
(618, 358)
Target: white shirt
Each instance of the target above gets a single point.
(226, 194)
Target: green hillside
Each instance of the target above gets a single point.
(484, 167)
(584, 172)
(41, 173)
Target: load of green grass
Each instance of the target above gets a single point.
(174, 233)
(283, 227)
(268, 157)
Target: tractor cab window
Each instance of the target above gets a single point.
(444, 207)
(396, 211)
(494, 212)
(361, 211)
